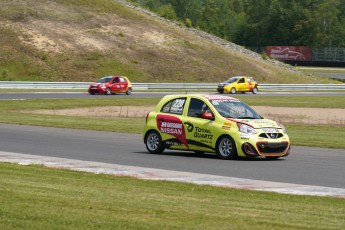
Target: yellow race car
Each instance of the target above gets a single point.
(215, 124)
(238, 84)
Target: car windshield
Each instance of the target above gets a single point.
(230, 108)
(104, 79)
(231, 80)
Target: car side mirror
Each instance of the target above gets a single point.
(208, 115)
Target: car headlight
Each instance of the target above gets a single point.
(103, 85)
(243, 128)
(282, 126)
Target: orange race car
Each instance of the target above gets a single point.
(111, 85)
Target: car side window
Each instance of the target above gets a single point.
(174, 106)
(241, 80)
(122, 79)
(116, 80)
(197, 108)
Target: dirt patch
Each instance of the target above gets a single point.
(282, 114)
(314, 116)
(109, 111)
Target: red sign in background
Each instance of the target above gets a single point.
(289, 53)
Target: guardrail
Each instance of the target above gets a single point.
(163, 86)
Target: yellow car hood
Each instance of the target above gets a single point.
(259, 123)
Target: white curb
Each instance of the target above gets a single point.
(160, 174)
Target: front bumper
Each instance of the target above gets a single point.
(96, 90)
(280, 149)
(256, 145)
(220, 89)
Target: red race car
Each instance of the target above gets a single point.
(111, 85)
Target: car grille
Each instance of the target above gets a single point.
(265, 147)
(271, 135)
(220, 88)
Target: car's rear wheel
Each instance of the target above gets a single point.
(108, 91)
(226, 148)
(233, 90)
(129, 91)
(153, 142)
(255, 90)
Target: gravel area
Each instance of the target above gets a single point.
(284, 115)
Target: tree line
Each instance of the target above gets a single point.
(259, 23)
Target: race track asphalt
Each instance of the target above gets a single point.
(305, 166)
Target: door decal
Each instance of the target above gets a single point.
(173, 126)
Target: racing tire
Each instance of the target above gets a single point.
(129, 91)
(272, 158)
(233, 91)
(255, 90)
(226, 148)
(199, 153)
(153, 142)
(108, 91)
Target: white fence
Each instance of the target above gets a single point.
(163, 86)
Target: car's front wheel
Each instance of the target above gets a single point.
(226, 148)
(272, 158)
(153, 142)
(233, 91)
(108, 91)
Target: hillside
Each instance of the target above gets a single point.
(66, 40)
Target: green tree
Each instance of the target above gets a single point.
(167, 11)
(315, 23)
(208, 17)
(327, 23)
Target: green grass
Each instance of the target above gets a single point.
(296, 101)
(122, 125)
(281, 101)
(310, 70)
(35, 197)
(6, 105)
(316, 136)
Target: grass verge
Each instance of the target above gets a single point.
(35, 197)
(296, 101)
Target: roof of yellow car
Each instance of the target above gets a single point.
(207, 96)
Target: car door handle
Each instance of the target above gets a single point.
(190, 126)
(188, 123)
